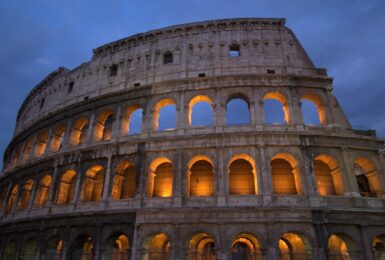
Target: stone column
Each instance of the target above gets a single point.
(79, 178)
(307, 172)
(97, 250)
(53, 186)
(295, 111)
(117, 126)
(32, 152)
(259, 113)
(220, 113)
(49, 140)
(67, 134)
(258, 176)
(348, 174)
(14, 207)
(107, 181)
(366, 244)
(32, 195)
(90, 129)
(221, 187)
(177, 179)
(266, 180)
(9, 190)
(381, 171)
(181, 114)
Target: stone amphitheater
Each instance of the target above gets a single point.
(79, 182)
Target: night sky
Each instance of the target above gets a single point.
(345, 36)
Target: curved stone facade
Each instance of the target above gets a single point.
(77, 182)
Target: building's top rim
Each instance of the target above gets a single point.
(279, 22)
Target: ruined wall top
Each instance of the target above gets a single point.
(230, 47)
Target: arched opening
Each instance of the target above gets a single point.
(286, 175)
(314, 112)
(12, 199)
(3, 195)
(103, 126)
(160, 179)
(341, 246)
(156, 247)
(293, 246)
(57, 139)
(17, 154)
(41, 144)
(165, 115)
(132, 120)
(83, 248)
(276, 109)
(200, 112)
(53, 248)
(327, 176)
(379, 247)
(202, 247)
(27, 148)
(124, 184)
(237, 111)
(66, 188)
(79, 131)
(29, 250)
(200, 177)
(43, 191)
(246, 247)
(25, 194)
(116, 248)
(368, 178)
(93, 184)
(242, 176)
(9, 251)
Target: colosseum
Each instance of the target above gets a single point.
(98, 170)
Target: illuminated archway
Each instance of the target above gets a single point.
(204, 117)
(286, 175)
(103, 126)
(368, 178)
(156, 247)
(66, 188)
(131, 124)
(41, 144)
(27, 148)
(242, 175)
(42, 191)
(57, 139)
(79, 131)
(327, 175)
(200, 176)
(116, 247)
(246, 246)
(319, 106)
(157, 113)
(54, 247)
(275, 95)
(294, 246)
(378, 245)
(124, 183)
(202, 247)
(25, 195)
(12, 199)
(93, 184)
(160, 178)
(341, 246)
(83, 248)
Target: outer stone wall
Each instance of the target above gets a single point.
(66, 167)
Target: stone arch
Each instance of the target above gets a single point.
(286, 174)
(41, 144)
(82, 247)
(319, 105)
(160, 178)
(117, 246)
(159, 105)
(378, 245)
(278, 96)
(57, 138)
(328, 175)
(342, 246)
(246, 246)
(79, 131)
(29, 249)
(42, 191)
(127, 118)
(293, 245)
(10, 250)
(368, 178)
(201, 245)
(12, 199)
(103, 126)
(200, 176)
(25, 195)
(53, 248)
(27, 148)
(124, 183)
(92, 186)
(242, 175)
(156, 246)
(66, 187)
(194, 101)
(233, 115)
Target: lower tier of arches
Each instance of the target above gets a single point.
(209, 234)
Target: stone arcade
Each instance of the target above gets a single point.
(79, 183)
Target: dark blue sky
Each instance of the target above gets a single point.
(345, 36)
